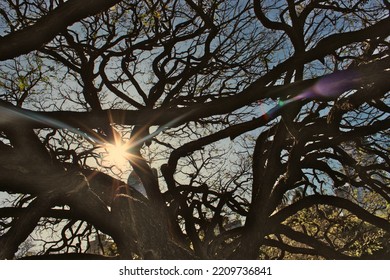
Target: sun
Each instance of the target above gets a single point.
(116, 154)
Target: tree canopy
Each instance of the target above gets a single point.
(193, 129)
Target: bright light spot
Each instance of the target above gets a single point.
(117, 154)
(114, 159)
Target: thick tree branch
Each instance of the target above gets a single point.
(25, 224)
(46, 28)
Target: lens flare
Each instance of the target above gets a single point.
(333, 85)
(328, 87)
(11, 115)
(116, 153)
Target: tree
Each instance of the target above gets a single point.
(237, 118)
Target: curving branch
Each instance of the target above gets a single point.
(339, 202)
(320, 248)
(25, 224)
(47, 27)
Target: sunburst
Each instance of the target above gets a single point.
(117, 154)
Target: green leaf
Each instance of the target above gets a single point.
(22, 83)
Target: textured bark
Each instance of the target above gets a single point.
(144, 232)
